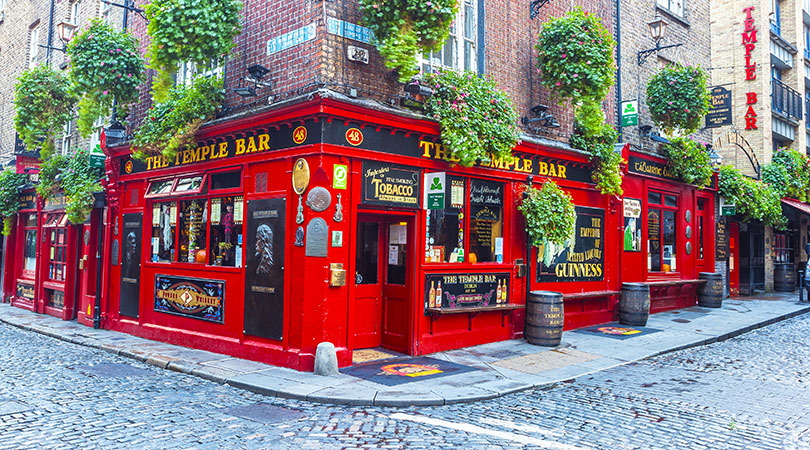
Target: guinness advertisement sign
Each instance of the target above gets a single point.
(390, 185)
(190, 297)
(581, 257)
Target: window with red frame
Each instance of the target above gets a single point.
(662, 247)
(57, 252)
(30, 244)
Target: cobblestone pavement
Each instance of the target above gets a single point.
(749, 392)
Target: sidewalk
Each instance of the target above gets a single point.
(470, 374)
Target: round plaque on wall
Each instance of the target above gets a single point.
(319, 199)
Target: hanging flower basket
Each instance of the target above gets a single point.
(43, 102)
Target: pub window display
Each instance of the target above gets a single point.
(30, 251)
(661, 232)
(58, 247)
(471, 206)
(199, 230)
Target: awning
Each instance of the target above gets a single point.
(801, 206)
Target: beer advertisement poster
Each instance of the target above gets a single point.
(581, 257)
(466, 290)
(190, 297)
(390, 185)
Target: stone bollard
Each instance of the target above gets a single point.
(326, 360)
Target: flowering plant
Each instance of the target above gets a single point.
(197, 31)
(10, 182)
(169, 127)
(74, 175)
(476, 118)
(788, 173)
(43, 102)
(689, 161)
(575, 56)
(754, 199)
(104, 65)
(678, 98)
(406, 28)
(594, 136)
(549, 213)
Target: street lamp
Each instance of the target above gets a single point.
(658, 29)
(715, 158)
(65, 31)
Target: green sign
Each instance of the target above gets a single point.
(434, 192)
(97, 160)
(728, 210)
(340, 176)
(629, 113)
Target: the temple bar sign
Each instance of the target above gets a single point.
(720, 112)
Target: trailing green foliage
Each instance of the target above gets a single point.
(575, 56)
(10, 181)
(788, 173)
(104, 65)
(689, 161)
(406, 28)
(197, 31)
(79, 181)
(476, 118)
(49, 171)
(754, 199)
(594, 136)
(169, 127)
(678, 98)
(549, 213)
(43, 101)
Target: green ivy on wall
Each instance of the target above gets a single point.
(788, 173)
(10, 183)
(689, 161)
(754, 199)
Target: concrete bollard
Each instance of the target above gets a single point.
(326, 360)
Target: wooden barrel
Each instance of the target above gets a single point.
(710, 294)
(634, 304)
(544, 318)
(784, 277)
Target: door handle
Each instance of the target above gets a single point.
(82, 262)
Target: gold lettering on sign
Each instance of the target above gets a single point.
(434, 150)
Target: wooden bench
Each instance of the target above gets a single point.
(471, 312)
(591, 294)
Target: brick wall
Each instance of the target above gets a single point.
(692, 30)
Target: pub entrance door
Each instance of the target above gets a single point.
(88, 269)
(734, 258)
(383, 279)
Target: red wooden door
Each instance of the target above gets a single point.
(88, 241)
(734, 258)
(368, 283)
(397, 282)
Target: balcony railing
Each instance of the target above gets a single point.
(785, 100)
(776, 28)
(807, 54)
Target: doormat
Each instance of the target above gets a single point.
(393, 372)
(616, 330)
(372, 354)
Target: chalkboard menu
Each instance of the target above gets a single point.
(721, 241)
(581, 257)
(390, 185)
(131, 265)
(466, 290)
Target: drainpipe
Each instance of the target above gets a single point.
(50, 35)
(619, 68)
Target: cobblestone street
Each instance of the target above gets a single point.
(749, 392)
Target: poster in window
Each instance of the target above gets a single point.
(131, 265)
(632, 225)
(581, 257)
(190, 297)
(264, 268)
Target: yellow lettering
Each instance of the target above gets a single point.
(240, 146)
(223, 149)
(561, 172)
(205, 153)
(264, 142)
(425, 146)
(251, 145)
(551, 170)
(543, 168)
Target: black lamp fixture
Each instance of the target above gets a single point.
(658, 29)
(534, 7)
(65, 31)
(415, 88)
(542, 118)
(257, 73)
(715, 158)
(645, 130)
(115, 134)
